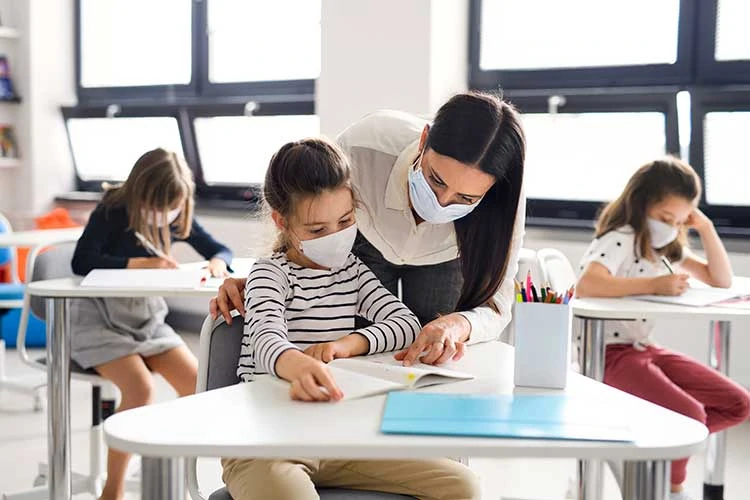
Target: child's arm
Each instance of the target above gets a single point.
(209, 248)
(716, 269)
(266, 337)
(394, 326)
(89, 252)
(598, 281)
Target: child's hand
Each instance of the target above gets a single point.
(217, 268)
(697, 220)
(310, 379)
(671, 284)
(151, 263)
(345, 347)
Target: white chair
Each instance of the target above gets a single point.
(11, 298)
(218, 355)
(50, 263)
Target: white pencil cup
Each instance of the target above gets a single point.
(543, 334)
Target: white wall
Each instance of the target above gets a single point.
(42, 68)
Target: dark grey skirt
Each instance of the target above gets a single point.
(106, 329)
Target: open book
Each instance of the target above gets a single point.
(363, 377)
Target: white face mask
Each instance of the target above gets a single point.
(662, 234)
(332, 250)
(156, 218)
(426, 204)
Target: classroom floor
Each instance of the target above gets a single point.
(23, 445)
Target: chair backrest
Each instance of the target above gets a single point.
(52, 263)
(555, 269)
(527, 261)
(219, 353)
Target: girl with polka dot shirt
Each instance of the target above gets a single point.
(646, 224)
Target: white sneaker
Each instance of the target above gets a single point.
(680, 495)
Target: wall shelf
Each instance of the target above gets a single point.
(9, 33)
(10, 162)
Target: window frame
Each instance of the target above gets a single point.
(730, 220)
(576, 213)
(708, 69)
(651, 74)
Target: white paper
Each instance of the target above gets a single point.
(695, 297)
(418, 375)
(143, 279)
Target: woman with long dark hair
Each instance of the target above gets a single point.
(442, 212)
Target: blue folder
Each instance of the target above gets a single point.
(558, 417)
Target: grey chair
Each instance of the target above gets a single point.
(52, 263)
(218, 355)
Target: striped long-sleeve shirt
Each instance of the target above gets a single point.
(292, 307)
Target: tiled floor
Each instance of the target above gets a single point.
(23, 445)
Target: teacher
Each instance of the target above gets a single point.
(442, 211)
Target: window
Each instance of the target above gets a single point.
(603, 148)
(606, 86)
(182, 74)
(105, 149)
(258, 40)
(732, 42)
(726, 155)
(564, 36)
(580, 43)
(237, 149)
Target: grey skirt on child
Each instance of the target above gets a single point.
(106, 329)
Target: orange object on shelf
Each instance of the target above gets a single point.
(57, 218)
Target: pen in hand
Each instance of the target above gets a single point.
(667, 264)
(150, 247)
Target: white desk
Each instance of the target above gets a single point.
(36, 240)
(259, 420)
(58, 292)
(594, 311)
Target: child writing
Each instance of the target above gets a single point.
(124, 339)
(641, 238)
(300, 309)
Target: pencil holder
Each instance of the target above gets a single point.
(542, 344)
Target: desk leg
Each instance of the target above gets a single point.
(648, 480)
(718, 358)
(58, 397)
(591, 359)
(162, 478)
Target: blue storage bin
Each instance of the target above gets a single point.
(36, 335)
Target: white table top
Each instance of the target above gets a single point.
(70, 287)
(39, 237)
(259, 420)
(628, 309)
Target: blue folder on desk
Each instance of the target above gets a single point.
(504, 416)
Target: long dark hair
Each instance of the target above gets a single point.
(300, 169)
(650, 184)
(483, 130)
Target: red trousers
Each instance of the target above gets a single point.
(679, 383)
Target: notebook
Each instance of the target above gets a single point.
(558, 417)
(696, 297)
(144, 279)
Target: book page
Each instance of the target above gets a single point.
(356, 385)
(418, 375)
(696, 297)
(143, 279)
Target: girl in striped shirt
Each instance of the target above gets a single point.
(300, 309)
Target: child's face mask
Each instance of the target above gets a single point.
(330, 251)
(662, 234)
(156, 217)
